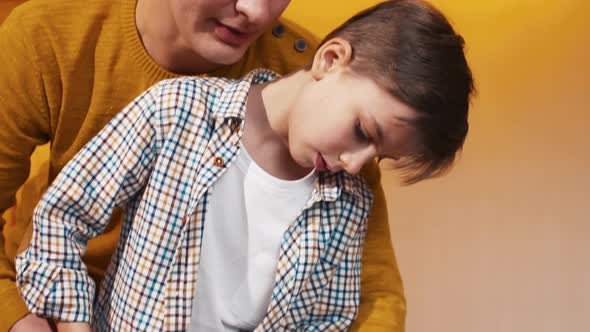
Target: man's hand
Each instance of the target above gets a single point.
(31, 323)
(73, 327)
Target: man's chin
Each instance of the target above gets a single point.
(224, 55)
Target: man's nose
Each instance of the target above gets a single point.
(355, 160)
(256, 11)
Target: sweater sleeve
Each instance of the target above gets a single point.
(111, 169)
(383, 303)
(23, 125)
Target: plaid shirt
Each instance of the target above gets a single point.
(159, 158)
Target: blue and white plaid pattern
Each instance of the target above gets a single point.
(159, 159)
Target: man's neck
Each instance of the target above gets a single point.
(162, 40)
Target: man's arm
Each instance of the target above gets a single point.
(383, 305)
(23, 125)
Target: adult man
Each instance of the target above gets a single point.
(70, 66)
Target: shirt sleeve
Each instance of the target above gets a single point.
(337, 305)
(110, 170)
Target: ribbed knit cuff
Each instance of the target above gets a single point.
(12, 305)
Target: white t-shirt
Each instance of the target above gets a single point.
(248, 213)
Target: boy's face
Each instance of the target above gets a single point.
(343, 121)
(220, 31)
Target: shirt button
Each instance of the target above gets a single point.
(219, 162)
(300, 45)
(278, 31)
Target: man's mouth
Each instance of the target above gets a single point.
(231, 35)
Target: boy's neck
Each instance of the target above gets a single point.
(266, 129)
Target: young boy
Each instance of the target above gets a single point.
(268, 164)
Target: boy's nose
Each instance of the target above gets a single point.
(352, 162)
(256, 11)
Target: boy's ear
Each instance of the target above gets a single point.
(335, 53)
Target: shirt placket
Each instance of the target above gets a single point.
(294, 260)
(219, 154)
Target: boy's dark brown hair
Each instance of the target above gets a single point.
(409, 48)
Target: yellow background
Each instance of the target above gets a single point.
(502, 243)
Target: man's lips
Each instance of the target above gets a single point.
(231, 36)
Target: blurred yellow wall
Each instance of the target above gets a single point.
(502, 244)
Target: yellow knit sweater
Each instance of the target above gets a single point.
(66, 68)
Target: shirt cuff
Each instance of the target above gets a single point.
(55, 292)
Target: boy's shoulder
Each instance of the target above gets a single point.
(215, 84)
(187, 97)
(354, 185)
(219, 85)
(217, 96)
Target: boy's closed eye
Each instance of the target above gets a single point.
(392, 158)
(362, 136)
(360, 133)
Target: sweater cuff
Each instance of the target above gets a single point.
(12, 305)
